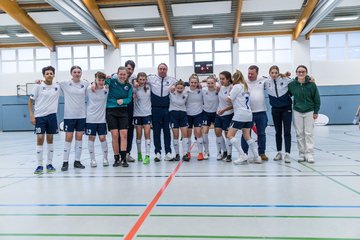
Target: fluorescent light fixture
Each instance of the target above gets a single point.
(124, 30)
(4, 36)
(156, 28)
(346, 18)
(198, 26)
(24, 35)
(255, 23)
(70, 33)
(207, 8)
(284, 21)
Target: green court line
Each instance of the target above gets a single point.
(177, 215)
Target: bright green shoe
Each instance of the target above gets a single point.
(146, 160)
(140, 157)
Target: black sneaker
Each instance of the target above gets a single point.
(228, 158)
(124, 163)
(186, 158)
(65, 166)
(116, 163)
(77, 164)
(177, 157)
(224, 155)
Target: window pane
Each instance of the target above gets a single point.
(64, 52)
(64, 65)
(8, 55)
(184, 47)
(282, 43)
(222, 45)
(203, 57)
(246, 57)
(124, 59)
(127, 49)
(203, 46)
(40, 64)
(282, 56)
(336, 40)
(161, 59)
(354, 39)
(223, 58)
(161, 48)
(264, 56)
(184, 60)
(83, 63)
(97, 63)
(318, 41)
(80, 52)
(246, 44)
(336, 53)
(26, 66)
(264, 43)
(42, 53)
(144, 49)
(145, 61)
(96, 51)
(8, 67)
(318, 54)
(26, 54)
(354, 53)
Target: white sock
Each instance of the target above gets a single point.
(228, 146)
(78, 150)
(138, 145)
(253, 147)
(223, 146)
(199, 143)
(206, 142)
(147, 146)
(185, 145)
(104, 148)
(189, 143)
(67, 149)
(91, 149)
(176, 145)
(39, 154)
(50, 153)
(218, 144)
(237, 146)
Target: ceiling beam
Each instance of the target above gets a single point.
(35, 6)
(237, 21)
(21, 45)
(166, 21)
(17, 13)
(304, 17)
(95, 12)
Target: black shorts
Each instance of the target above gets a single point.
(46, 124)
(117, 118)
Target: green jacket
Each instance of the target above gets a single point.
(306, 96)
(118, 90)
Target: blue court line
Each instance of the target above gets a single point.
(180, 205)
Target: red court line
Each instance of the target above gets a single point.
(132, 233)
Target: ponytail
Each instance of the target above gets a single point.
(238, 77)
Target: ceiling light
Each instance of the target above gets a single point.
(24, 35)
(255, 23)
(284, 21)
(70, 33)
(198, 26)
(346, 18)
(157, 28)
(4, 36)
(124, 30)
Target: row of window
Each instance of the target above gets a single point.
(336, 46)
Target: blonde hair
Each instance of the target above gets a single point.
(238, 77)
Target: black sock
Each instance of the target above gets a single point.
(123, 155)
(116, 157)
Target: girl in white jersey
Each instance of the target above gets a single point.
(95, 118)
(224, 114)
(242, 120)
(74, 92)
(194, 108)
(211, 102)
(178, 119)
(142, 115)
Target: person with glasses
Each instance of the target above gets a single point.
(306, 108)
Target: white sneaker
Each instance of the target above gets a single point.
(206, 156)
(157, 157)
(93, 163)
(257, 160)
(168, 157)
(278, 157)
(242, 160)
(105, 162)
(287, 158)
(310, 159)
(129, 158)
(301, 158)
(219, 156)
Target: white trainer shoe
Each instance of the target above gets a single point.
(278, 157)
(287, 158)
(157, 157)
(93, 163)
(301, 158)
(310, 159)
(242, 160)
(219, 156)
(105, 162)
(257, 160)
(168, 157)
(206, 156)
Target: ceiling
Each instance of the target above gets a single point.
(177, 16)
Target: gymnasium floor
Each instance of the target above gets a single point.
(191, 200)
